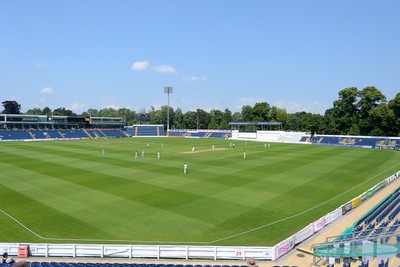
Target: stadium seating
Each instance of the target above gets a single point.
(73, 134)
(305, 139)
(113, 133)
(9, 135)
(46, 134)
(356, 141)
(15, 135)
(145, 130)
(219, 135)
(384, 214)
(382, 207)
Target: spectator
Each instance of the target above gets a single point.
(251, 262)
(7, 259)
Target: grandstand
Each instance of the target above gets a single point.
(147, 130)
(19, 135)
(45, 134)
(113, 133)
(44, 122)
(354, 141)
(15, 135)
(40, 127)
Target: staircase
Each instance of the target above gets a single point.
(31, 134)
(103, 133)
(87, 133)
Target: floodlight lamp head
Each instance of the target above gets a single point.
(168, 90)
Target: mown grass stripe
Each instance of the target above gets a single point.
(150, 200)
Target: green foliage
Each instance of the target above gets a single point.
(35, 111)
(63, 112)
(11, 107)
(213, 124)
(356, 112)
(261, 112)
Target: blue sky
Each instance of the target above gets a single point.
(216, 54)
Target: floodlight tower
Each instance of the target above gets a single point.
(168, 90)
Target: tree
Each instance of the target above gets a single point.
(278, 114)
(237, 116)
(108, 112)
(381, 118)
(330, 122)
(161, 116)
(228, 116)
(261, 112)
(316, 123)
(47, 111)
(11, 107)
(355, 112)
(394, 105)
(300, 121)
(213, 124)
(202, 119)
(189, 119)
(345, 110)
(156, 117)
(63, 112)
(370, 97)
(247, 113)
(34, 111)
(178, 119)
(198, 119)
(92, 112)
(224, 125)
(131, 117)
(217, 117)
(354, 129)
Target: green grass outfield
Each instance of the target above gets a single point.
(68, 192)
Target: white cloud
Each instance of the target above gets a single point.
(40, 65)
(43, 100)
(194, 79)
(140, 65)
(113, 106)
(47, 90)
(164, 69)
(315, 107)
(77, 107)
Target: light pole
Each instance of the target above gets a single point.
(168, 90)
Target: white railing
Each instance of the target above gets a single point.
(140, 251)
